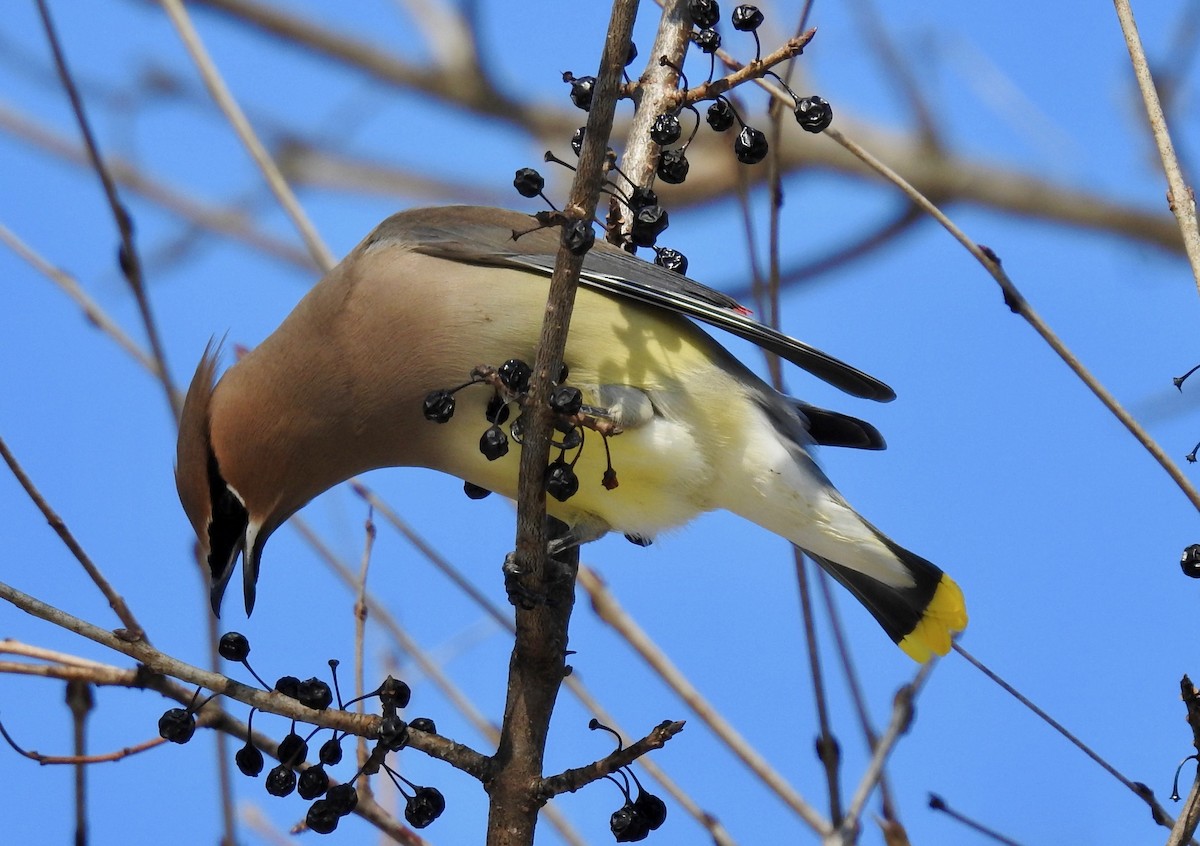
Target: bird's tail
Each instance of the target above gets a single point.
(921, 617)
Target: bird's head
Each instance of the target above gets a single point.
(227, 519)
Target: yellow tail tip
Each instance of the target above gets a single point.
(945, 616)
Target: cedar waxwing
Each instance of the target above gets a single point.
(338, 389)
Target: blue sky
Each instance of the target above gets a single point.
(1001, 466)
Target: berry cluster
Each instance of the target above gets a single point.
(332, 801)
(510, 384)
(750, 146)
(634, 820)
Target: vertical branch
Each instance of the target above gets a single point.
(1186, 822)
(1180, 197)
(79, 700)
(538, 662)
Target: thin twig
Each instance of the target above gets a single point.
(245, 132)
(133, 630)
(937, 803)
(130, 263)
(1138, 788)
(1180, 197)
(609, 610)
(902, 714)
(1019, 305)
(360, 633)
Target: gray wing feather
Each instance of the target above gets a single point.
(480, 235)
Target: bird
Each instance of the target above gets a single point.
(434, 295)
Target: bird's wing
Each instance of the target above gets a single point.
(480, 235)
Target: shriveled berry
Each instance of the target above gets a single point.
(321, 817)
(494, 443)
(746, 18)
(648, 224)
(571, 436)
(720, 115)
(330, 753)
(423, 724)
(673, 166)
(578, 236)
(561, 481)
(528, 182)
(665, 129)
(515, 374)
(670, 259)
(640, 198)
(577, 139)
(313, 782)
(293, 749)
(627, 825)
(750, 146)
(438, 407)
(704, 13)
(708, 40)
(342, 798)
(288, 686)
(813, 114)
(631, 55)
(249, 760)
(394, 693)
(177, 725)
(281, 781)
(314, 693)
(233, 646)
(424, 806)
(566, 399)
(497, 410)
(473, 491)
(582, 89)
(651, 808)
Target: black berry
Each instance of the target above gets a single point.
(1190, 561)
(293, 749)
(528, 182)
(342, 798)
(314, 693)
(423, 724)
(494, 443)
(750, 146)
(249, 760)
(813, 114)
(628, 825)
(561, 481)
(648, 224)
(424, 806)
(640, 198)
(330, 753)
(577, 139)
(705, 13)
(672, 166)
(438, 407)
(578, 236)
(497, 410)
(746, 18)
(177, 725)
(473, 491)
(281, 781)
(708, 40)
(314, 782)
(394, 693)
(671, 259)
(566, 400)
(515, 374)
(322, 817)
(288, 686)
(720, 115)
(233, 646)
(665, 129)
(582, 89)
